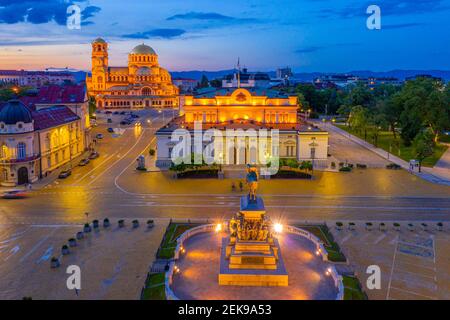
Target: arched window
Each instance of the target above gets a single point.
(146, 92)
(21, 151)
(3, 151)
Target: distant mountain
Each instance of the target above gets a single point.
(403, 74)
(303, 76)
(309, 76)
(197, 75)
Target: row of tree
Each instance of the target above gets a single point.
(417, 112)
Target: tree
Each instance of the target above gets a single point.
(92, 106)
(437, 113)
(215, 83)
(361, 95)
(204, 83)
(423, 104)
(359, 119)
(423, 146)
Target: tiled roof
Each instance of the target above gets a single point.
(55, 94)
(52, 117)
(300, 127)
(34, 73)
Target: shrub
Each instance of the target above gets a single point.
(345, 169)
(361, 166)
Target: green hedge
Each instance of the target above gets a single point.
(291, 174)
(200, 173)
(323, 233)
(353, 289)
(154, 287)
(168, 244)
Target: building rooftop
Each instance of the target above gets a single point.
(52, 117)
(256, 91)
(70, 94)
(15, 111)
(143, 49)
(179, 123)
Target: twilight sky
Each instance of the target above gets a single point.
(308, 35)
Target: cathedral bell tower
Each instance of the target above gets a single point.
(99, 63)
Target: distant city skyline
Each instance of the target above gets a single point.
(307, 35)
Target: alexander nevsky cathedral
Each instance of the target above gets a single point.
(143, 83)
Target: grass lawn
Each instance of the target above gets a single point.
(352, 289)
(322, 232)
(445, 138)
(154, 287)
(386, 139)
(169, 243)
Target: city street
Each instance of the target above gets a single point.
(111, 187)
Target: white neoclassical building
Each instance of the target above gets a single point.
(246, 109)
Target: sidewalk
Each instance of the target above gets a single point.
(439, 174)
(53, 176)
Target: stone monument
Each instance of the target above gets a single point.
(250, 255)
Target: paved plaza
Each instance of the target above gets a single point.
(414, 264)
(200, 270)
(114, 262)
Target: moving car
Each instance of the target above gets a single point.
(83, 162)
(110, 130)
(14, 194)
(99, 136)
(64, 174)
(94, 155)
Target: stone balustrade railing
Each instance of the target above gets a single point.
(186, 235)
(319, 245)
(323, 252)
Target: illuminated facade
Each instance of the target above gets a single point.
(247, 109)
(142, 83)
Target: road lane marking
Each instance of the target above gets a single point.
(102, 173)
(97, 167)
(37, 245)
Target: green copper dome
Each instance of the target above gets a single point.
(99, 40)
(143, 49)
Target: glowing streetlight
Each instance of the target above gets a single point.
(278, 228)
(218, 227)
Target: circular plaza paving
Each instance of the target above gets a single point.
(199, 274)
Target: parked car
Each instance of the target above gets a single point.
(116, 112)
(83, 162)
(109, 120)
(99, 136)
(64, 174)
(94, 155)
(123, 112)
(110, 130)
(108, 112)
(134, 116)
(14, 194)
(125, 122)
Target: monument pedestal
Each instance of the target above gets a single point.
(250, 256)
